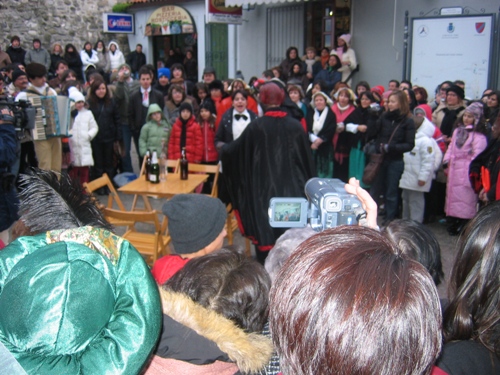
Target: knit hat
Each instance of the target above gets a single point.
(76, 96)
(164, 72)
(380, 89)
(208, 105)
(346, 38)
(17, 73)
(36, 70)
(209, 70)
(271, 94)
(185, 105)
(457, 90)
(475, 109)
(194, 221)
(216, 84)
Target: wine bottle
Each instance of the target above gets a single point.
(154, 172)
(148, 164)
(184, 165)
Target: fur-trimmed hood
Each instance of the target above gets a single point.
(250, 351)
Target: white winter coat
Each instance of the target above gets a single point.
(83, 131)
(420, 162)
(115, 59)
(88, 60)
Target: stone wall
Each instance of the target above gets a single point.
(56, 21)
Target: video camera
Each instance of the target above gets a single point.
(23, 113)
(327, 205)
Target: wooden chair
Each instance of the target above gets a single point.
(210, 170)
(172, 165)
(101, 182)
(231, 226)
(150, 245)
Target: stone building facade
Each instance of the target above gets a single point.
(56, 21)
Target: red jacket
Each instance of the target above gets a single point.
(194, 141)
(210, 153)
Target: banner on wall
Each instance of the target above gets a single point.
(169, 20)
(217, 12)
(118, 23)
(452, 48)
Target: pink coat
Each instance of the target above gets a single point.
(460, 197)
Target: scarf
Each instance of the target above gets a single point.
(341, 113)
(462, 134)
(88, 52)
(450, 116)
(319, 120)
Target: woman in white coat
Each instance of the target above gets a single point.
(84, 129)
(89, 57)
(347, 57)
(115, 56)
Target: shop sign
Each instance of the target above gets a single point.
(117, 23)
(169, 20)
(217, 12)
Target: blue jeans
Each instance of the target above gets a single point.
(387, 184)
(127, 141)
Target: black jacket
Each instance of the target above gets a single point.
(404, 138)
(16, 54)
(74, 63)
(137, 112)
(136, 60)
(225, 130)
(107, 117)
(326, 133)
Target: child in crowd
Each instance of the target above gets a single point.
(186, 133)
(419, 166)
(206, 119)
(466, 143)
(196, 226)
(83, 130)
(155, 131)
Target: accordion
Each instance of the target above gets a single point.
(52, 116)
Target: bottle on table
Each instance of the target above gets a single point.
(154, 172)
(184, 165)
(148, 164)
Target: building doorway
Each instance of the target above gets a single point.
(168, 49)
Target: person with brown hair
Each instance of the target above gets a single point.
(394, 135)
(347, 301)
(471, 322)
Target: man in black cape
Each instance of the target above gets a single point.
(271, 158)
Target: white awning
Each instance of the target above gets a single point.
(231, 3)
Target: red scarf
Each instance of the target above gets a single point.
(341, 116)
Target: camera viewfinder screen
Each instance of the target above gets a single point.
(287, 212)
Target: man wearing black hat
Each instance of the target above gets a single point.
(38, 55)
(48, 151)
(271, 158)
(15, 51)
(19, 83)
(196, 224)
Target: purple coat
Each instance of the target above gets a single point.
(460, 197)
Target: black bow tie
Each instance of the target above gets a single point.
(244, 117)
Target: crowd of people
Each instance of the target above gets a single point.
(348, 300)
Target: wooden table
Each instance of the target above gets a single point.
(173, 185)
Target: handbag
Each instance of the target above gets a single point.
(376, 160)
(372, 168)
